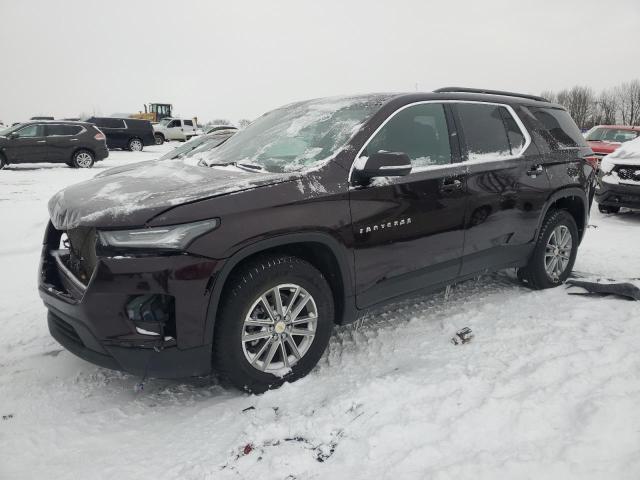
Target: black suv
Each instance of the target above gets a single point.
(315, 212)
(125, 133)
(78, 144)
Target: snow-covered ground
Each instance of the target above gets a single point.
(549, 388)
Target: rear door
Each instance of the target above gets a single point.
(115, 131)
(189, 129)
(408, 231)
(507, 186)
(28, 145)
(62, 139)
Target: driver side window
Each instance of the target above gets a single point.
(420, 131)
(30, 131)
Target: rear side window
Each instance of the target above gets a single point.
(189, 122)
(485, 131)
(110, 123)
(62, 130)
(420, 131)
(560, 129)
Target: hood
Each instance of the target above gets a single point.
(603, 147)
(130, 196)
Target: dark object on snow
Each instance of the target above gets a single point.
(7, 417)
(464, 335)
(621, 289)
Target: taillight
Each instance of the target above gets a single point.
(99, 136)
(594, 161)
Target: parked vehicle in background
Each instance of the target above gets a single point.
(314, 213)
(214, 128)
(41, 118)
(126, 133)
(174, 129)
(199, 144)
(605, 139)
(78, 144)
(619, 179)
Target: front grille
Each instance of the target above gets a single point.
(65, 329)
(82, 260)
(629, 172)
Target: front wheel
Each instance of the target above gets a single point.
(608, 209)
(274, 325)
(82, 159)
(555, 252)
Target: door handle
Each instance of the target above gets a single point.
(535, 170)
(41, 141)
(73, 139)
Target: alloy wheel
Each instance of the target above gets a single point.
(135, 145)
(84, 160)
(279, 328)
(558, 252)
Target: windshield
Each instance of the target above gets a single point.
(184, 148)
(297, 136)
(7, 131)
(620, 135)
(165, 121)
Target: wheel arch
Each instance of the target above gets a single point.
(320, 249)
(572, 199)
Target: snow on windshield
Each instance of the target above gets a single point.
(300, 135)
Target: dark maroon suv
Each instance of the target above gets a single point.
(314, 213)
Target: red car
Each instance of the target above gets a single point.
(604, 139)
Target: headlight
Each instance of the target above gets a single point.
(174, 237)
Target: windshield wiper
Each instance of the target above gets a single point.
(246, 166)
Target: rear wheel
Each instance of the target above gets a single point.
(135, 145)
(274, 325)
(159, 138)
(555, 252)
(82, 159)
(3, 161)
(608, 209)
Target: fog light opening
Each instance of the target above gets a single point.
(153, 315)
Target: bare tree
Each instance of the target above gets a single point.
(579, 102)
(628, 97)
(243, 123)
(550, 95)
(607, 107)
(219, 121)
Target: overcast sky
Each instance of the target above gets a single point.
(238, 59)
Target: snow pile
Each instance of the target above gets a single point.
(627, 154)
(548, 388)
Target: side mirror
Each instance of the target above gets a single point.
(12, 135)
(381, 164)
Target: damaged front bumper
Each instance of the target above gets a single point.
(143, 314)
(618, 194)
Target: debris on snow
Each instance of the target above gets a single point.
(629, 289)
(464, 335)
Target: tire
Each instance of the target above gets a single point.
(135, 145)
(608, 209)
(536, 274)
(3, 161)
(242, 297)
(82, 159)
(159, 138)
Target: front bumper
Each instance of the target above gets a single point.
(618, 194)
(91, 320)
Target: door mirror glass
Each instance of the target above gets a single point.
(381, 164)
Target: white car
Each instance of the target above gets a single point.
(174, 129)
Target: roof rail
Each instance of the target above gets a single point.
(489, 92)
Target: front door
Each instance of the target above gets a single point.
(507, 186)
(27, 145)
(408, 231)
(174, 130)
